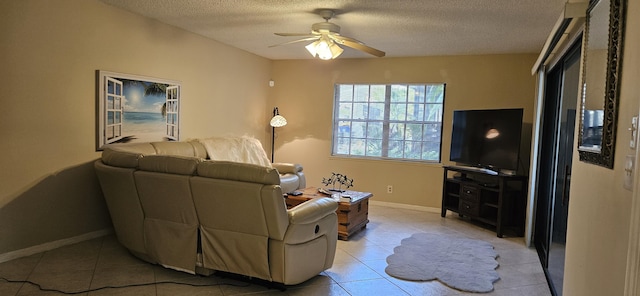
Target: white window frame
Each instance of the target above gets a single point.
(113, 110)
(365, 127)
(172, 108)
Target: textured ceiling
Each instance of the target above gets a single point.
(401, 28)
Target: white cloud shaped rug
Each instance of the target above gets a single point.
(456, 261)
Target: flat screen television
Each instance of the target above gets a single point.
(487, 138)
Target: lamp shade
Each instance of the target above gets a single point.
(278, 121)
(311, 48)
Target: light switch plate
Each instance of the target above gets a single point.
(628, 171)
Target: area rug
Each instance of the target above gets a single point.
(456, 261)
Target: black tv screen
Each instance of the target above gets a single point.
(487, 138)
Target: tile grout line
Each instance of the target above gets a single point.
(95, 266)
(31, 273)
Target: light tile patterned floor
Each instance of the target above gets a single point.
(358, 268)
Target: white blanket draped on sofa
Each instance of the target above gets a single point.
(249, 150)
(236, 149)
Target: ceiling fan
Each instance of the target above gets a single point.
(326, 39)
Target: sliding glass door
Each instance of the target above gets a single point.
(554, 171)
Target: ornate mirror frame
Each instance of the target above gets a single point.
(604, 156)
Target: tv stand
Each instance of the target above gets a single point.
(476, 169)
(496, 199)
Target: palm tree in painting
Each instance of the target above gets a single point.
(157, 89)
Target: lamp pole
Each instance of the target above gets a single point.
(273, 140)
(273, 134)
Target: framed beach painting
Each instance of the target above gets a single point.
(134, 108)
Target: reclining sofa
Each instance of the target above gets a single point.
(171, 204)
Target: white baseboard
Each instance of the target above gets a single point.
(53, 245)
(404, 206)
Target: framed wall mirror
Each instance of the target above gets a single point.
(602, 61)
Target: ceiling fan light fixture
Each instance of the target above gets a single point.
(328, 42)
(312, 47)
(335, 50)
(324, 48)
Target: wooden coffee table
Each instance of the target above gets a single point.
(352, 213)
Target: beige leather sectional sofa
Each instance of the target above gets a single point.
(173, 206)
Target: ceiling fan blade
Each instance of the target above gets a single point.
(339, 38)
(294, 34)
(361, 47)
(296, 41)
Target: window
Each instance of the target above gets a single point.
(395, 121)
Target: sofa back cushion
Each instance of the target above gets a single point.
(180, 165)
(199, 149)
(250, 191)
(126, 155)
(170, 219)
(243, 172)
(178, 148)
(121, 196)
(236, 224)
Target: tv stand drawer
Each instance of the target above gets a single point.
(469, 193)
(469, 208)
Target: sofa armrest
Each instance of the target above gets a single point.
(284, 168)
(312, 210)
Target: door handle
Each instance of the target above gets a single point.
(565, 194)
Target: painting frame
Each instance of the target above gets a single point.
(135, 108)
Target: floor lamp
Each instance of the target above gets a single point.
(276, 121)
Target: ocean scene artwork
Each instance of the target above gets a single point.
(143, 119)
(136, 109)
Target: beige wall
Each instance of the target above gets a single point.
(599, 211)
(303, 93)
(49, 53)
